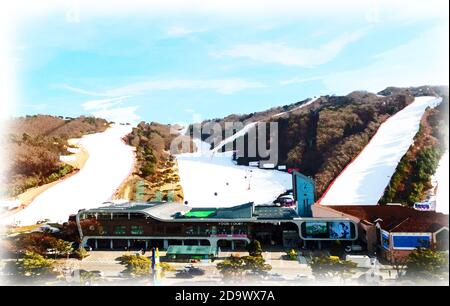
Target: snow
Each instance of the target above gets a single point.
(109, 164)
(441, 177)
(205, 173)
(298, 107)
(9, 204)
(238, 134)
(363, 182)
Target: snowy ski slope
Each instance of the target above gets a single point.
(298, 107)
(365, 179)
(441, 176)
(110, 162)
(211, 179)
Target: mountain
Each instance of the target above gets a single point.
(412, 180)
(155, 175)
(35, 144)
(321, 136)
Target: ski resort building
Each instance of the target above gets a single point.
(304, 190)
(146, 225)
(392, 231)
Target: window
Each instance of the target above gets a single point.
(103, 231)
(224, 230)
(120, 230)
(120, 216)
(385, 240)
(137, 230)
(240, 230)
(190, 230)
(103, 216)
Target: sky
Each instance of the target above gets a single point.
(194, 60)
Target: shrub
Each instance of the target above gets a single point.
(81, 253)
(292, 254)
(34, 264)
(254, 248)
(137, 265)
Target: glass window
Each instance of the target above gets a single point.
(203, 229)
(240, 230)
(190, 230)
(137, 230)
(103, 231)
(120, 230)
(103, 216)
(120, 216)
(224, 230)
(137, 216)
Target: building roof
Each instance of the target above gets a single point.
(177, 211)
(274, 212)
(199, 214)
(189, 250)
(396, 218)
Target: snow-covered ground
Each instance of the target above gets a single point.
(365, 179)
(238, 134)
(205, 173)
(441, 177)
(298, 107)
(110, 162)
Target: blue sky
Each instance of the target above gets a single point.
(180, 65)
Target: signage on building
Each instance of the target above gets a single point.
(328, 230)
(304, 193)
(229, 235)
(385, 240)
(230, 223)
(410, 241)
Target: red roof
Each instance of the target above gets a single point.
(396, 218)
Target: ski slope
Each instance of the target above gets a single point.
(298, 107)
(441, 176)
(232, 138)
(211, 179)
(110, 162)
(364, 180)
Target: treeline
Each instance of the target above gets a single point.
(155, 165)
(412, 178)
(322, 141)
(323, 137)
(35, 144)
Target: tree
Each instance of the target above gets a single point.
(165, 267)
(137, 265)
(35, 242)
(81, 253)
(236, 267)
(63, 248)
(34, 264)
(254, 248)
(232, 267)
(427, 264)
(292, 254)
(255, 264)
(331, 266)
(69, 231)
(88, 277)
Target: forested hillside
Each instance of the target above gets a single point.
(35, 144)
(412, 179)
(155, 176)
(322, 137)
